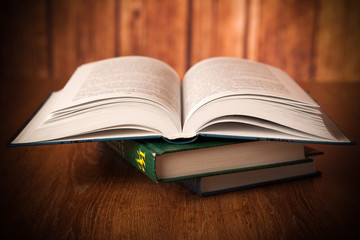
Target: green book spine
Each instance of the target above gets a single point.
(137, 154)
(142, 154)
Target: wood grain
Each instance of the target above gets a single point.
(286, 31)
(23, 40)
(84, 191)
(311, 40)
(155, 29)
(81, 31)
(337, 41)
(218, 28)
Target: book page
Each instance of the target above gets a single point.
(130, 77)
(219, 77)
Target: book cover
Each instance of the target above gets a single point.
(167, 162)
(142, 154)
(249, 178)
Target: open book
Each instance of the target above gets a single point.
(141, 97)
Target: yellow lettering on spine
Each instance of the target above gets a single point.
(141, 160)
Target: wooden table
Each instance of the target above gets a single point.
(84, 191)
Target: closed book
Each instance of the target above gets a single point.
(165, 162)
(254, 176)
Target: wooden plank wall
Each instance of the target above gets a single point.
(312, 40)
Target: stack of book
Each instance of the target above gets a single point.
(210, 166)
(265, 113)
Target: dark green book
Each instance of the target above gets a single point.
(254, 176)
(211, 185)
(163, 161)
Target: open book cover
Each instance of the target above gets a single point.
(140, 97)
